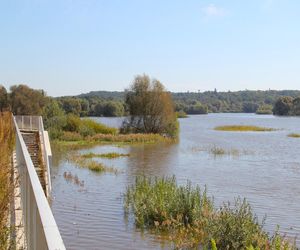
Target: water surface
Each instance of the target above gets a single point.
(264, 168)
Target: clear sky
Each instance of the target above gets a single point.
(67, 47)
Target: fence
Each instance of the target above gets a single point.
(41, 231)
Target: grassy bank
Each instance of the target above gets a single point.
(6, 147)
(191, 221)
(74, 140)
(74, 132)
(243, 128)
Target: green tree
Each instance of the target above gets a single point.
(4, 104)
(150, 107)
(250, 107)
(264, 109)
(283, 105)
(71, 105)
(27, 101)
(296, 106)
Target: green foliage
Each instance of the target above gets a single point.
(160, 203)
(250, 107)
(71, 105)
(92, 106)
(213, 245)
(109, 109)
(283, 106)
(181, 114)
(264, 109)
(98, 128)
(4, 103)
(27, 101)
(236, 227)
(296, 106)
(150, 107)
(187, 216)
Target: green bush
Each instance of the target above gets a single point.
(98, 128)
(236, 227)
(72, 124)
(187, 216)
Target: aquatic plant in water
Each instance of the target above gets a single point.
(243, 128)
(111, 155)
(90, 164)
(188, 216)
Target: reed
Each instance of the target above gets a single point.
(191, 221)
(243, 128)
(6, 148)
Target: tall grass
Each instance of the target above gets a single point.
(191, 221)
(6, 148)
(243, 128)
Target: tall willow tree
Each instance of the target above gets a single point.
(150, 107)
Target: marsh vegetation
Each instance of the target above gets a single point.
(110, 155)
(190, 219)
(92, 165)
(243, 128)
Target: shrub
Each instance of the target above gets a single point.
(73, 123)
(98, 128)
(188, 217)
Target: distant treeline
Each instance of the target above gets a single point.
(106, 103)
(24, 100)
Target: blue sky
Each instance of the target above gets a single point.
(67, 47)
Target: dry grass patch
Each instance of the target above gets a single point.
(294, 135)
(243, 128)
(6, 188)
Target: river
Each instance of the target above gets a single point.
(263, 167)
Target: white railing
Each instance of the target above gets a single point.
(35, 123)
(41, 231)
(28, 122)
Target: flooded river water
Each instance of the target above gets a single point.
(263, 167)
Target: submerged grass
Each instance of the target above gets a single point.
(111, 155)
(6, 188)
(243, 128)
(294, 135)
(188, 216)
(94, 166)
